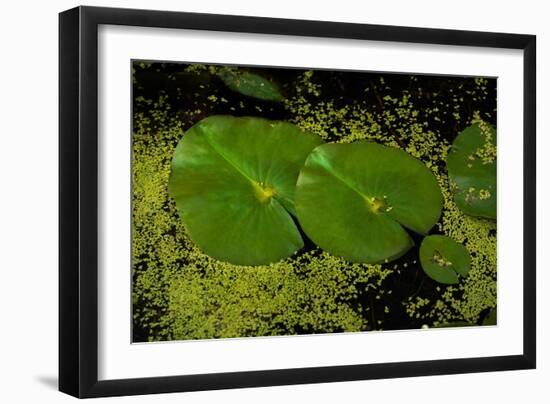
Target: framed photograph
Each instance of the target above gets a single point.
(253, 202)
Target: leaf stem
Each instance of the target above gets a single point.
(373, 316)
(419, 287)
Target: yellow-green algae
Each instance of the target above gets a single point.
(180, 293)
(312, 292)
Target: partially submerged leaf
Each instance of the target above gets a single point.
(490, 318)
(472, 167)
(233, 180)
(355, 200)
(443, 259)
(249, 84)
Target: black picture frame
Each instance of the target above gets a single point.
(78, 201)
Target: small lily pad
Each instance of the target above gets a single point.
(356, 200)
(472, 167)
(233, 180)
(249, 84)
(443, 259)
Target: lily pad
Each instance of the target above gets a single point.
(356, 200)
(249, 84)
(443, 259)
(472, 167)
(233, 180)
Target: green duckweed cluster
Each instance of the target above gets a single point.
(181, 293)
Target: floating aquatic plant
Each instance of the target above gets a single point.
(233, 180)
(443, 259)
(179, 292)
(357, 200)
(472, 170)
(249, 84)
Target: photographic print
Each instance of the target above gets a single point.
(290, 201)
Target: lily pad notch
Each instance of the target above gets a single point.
(233, 180)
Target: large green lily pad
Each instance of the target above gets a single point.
(472, 167)
(443, 259)
(355, 200)
(233, 180)
(249, 84)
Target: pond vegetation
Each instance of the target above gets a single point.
(311, 159)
